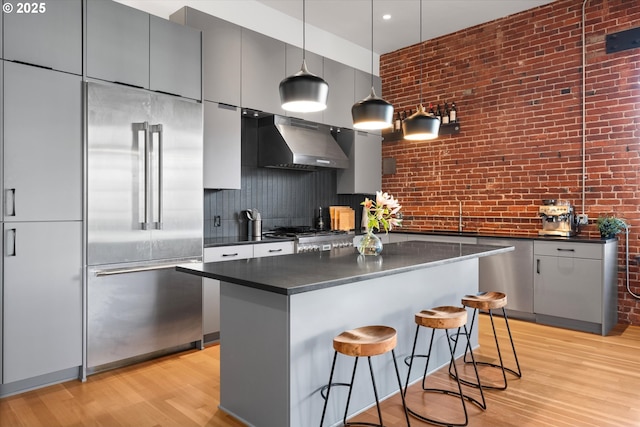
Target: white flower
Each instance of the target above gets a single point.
(382, 212)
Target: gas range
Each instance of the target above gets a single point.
(308, 239)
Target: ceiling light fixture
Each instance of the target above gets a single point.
(420, 126)
(303, 92)
(372, 113)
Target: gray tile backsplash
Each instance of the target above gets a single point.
(283, 197)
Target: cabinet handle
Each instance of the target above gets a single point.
(11, 242)
(275, 250)
(566, 250)
(538, 266)
(10, 202)
(235, 254)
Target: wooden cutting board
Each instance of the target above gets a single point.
(342, 218)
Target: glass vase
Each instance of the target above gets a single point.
(370, 244)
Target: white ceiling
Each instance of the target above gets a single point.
(351, 19)
(341, 29)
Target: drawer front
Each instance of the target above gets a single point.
(228, 253)
(272, 249)
(567, 249)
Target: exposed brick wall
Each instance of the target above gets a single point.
(517, 83)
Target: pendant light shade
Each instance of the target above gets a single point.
(372, 113)
(420, 126)
(303, 92)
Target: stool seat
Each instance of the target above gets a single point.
(485, 300)
(444, 317)
(366, 341)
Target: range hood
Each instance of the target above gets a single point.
(290, 143)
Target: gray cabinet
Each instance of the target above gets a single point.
(117, 43)
(222, 137)
(221, 54)
(42, 328)
(575, 285)
(364, 175)
(51, 38)
(42, 144)
(128, 46)
(341, 80)
(174, 59)
(315, 64)
(263, 63)
(511, 273)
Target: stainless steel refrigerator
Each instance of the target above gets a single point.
(144, 216)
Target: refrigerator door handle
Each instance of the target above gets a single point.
(125, 270)
(10, 249)
(10, 202)
(158, 129)
(137, 128)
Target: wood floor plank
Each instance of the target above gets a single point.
(570, 379)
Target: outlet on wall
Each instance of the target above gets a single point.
(216, 221)
(583, 219)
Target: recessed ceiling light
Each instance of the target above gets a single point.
(386, 16)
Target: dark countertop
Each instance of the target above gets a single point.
(576, 239)
(304, 272)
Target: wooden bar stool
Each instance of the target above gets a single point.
(489, 301)
(445, 318)
(365, 341)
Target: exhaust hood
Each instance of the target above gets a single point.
(290, 143)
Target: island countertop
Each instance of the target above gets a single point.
(304, 272)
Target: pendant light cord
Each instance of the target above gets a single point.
(371, 43)
(304, 36)
(421, 54)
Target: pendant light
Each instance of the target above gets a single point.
(372, 112)
(420, 126)
(303, 92)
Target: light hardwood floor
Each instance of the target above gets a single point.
(569, 379)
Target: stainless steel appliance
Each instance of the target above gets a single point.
(558, 219)
(308, 239)
(144, 216)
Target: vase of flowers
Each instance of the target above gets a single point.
(381, 214)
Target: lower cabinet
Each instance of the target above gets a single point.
(42, 325)
(575, 285)
(211, 287)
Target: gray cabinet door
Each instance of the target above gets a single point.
(315, 64)
(117, 43)
(263, 61)
(221, 55)
(50, 38)
(568, 287)
(42, 144)
(174, 59)
(222, 141)
(42, 306)
(364, 175)
(340, 78)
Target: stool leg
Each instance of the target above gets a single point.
(404, 404)
(326, 401)
(353, 376)
(513, 347)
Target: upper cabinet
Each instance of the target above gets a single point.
(174, 59)
(341, 79)
(221, 54)
(263, 68)
(117, 43)
(364, 175)
(48, 34)
(315, 64)
(128, 46)
(222, 155)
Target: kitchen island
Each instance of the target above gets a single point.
(279, 316)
